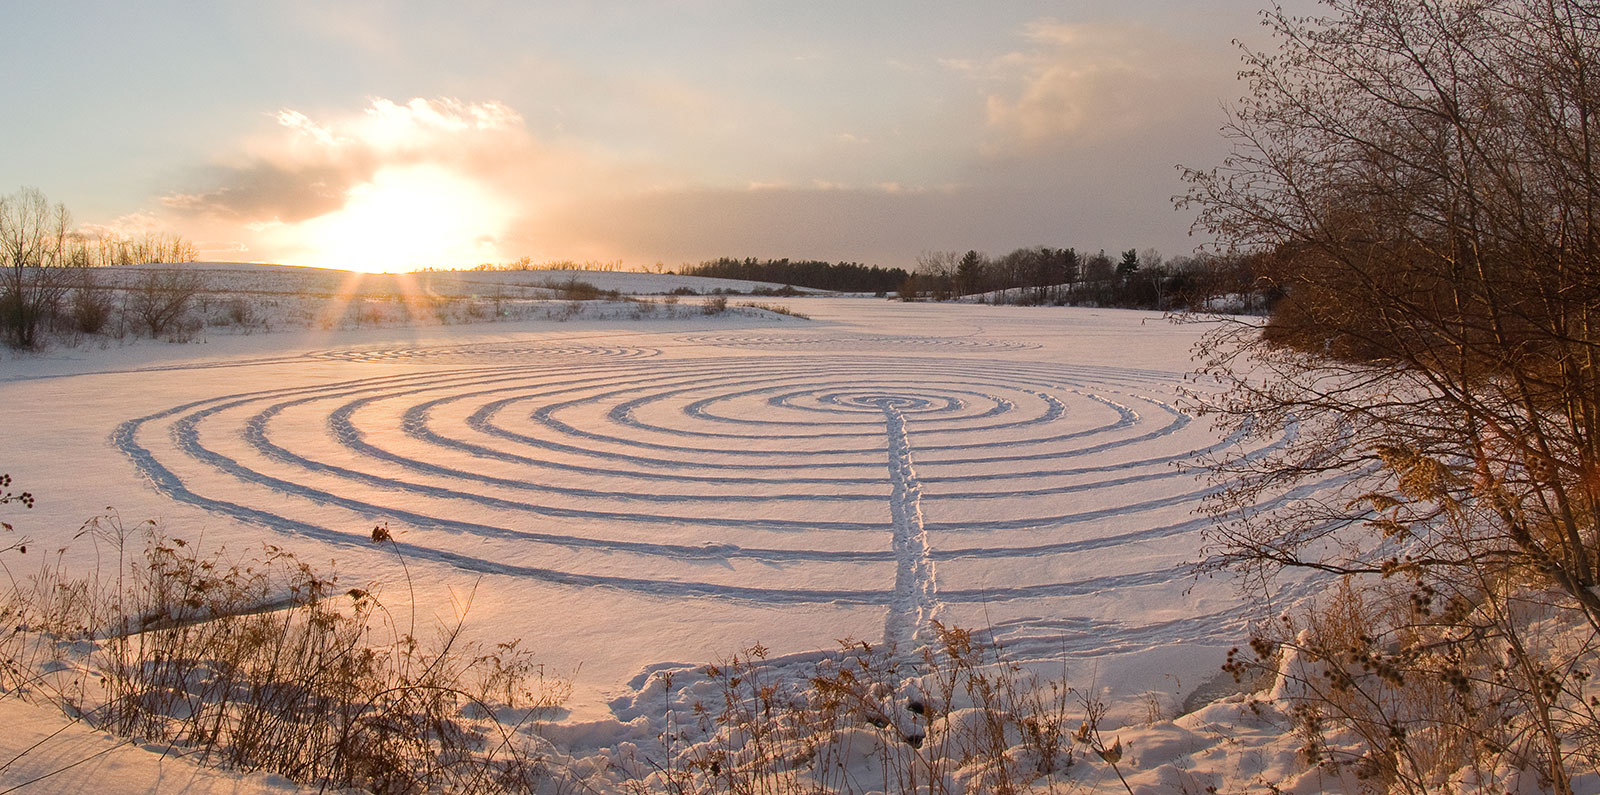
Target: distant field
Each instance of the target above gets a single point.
(282, 279)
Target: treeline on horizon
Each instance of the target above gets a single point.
(34, 233)
(844, 277)
(1041, 275)
(45, 260)
(1029, 276)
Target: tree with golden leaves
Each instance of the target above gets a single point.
(1421, 181)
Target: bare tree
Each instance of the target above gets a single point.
(1425, 179)
(163, 296)
(937, 270)
(33, 248)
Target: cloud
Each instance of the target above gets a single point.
(309, 169)
(126, 226)
(686, 225)
(1078, 85)
(266, 190)
(427, 181)
(881, 224)
(1065, 135)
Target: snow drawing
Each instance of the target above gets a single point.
(798, 473)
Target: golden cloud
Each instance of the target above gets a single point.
(1088, 84)
(423, 182)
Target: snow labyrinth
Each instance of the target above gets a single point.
(912, 474)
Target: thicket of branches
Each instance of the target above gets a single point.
(35, 252)
(1423, 179)
(263, 663)
(44, 269)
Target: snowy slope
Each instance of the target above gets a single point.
(41, 752)
(636, 496)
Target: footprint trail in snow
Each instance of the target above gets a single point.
(915, 592)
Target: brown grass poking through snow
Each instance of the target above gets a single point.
(262, 663)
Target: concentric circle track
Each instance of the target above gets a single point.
(501, 353)
(907, 482)
(888, 343)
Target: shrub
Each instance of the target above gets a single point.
(161, 299)
(1405, 176)
(573, 289)
(786, 291)
(90, 310)
(236, 312)
(265, 664)
(950, 718)
(776, 309)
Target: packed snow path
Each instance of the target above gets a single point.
(915, 594)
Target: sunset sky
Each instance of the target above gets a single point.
(396, 134)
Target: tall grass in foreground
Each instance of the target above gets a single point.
(952, 717)
(261, 663)
(1414, 690)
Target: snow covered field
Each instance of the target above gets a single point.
(638, 496)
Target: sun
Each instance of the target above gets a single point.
(406, 218)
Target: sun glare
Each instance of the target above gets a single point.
(407, 218)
